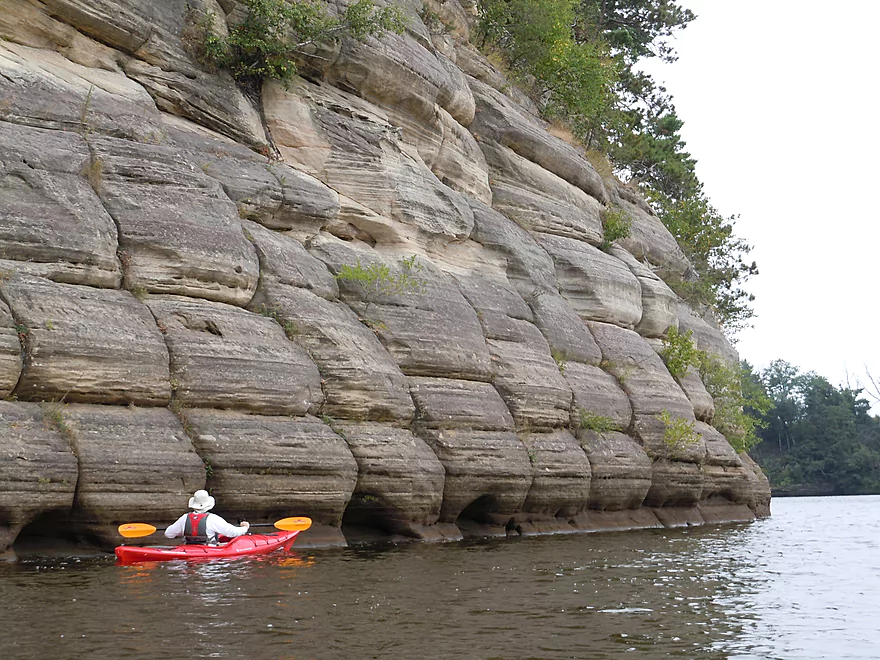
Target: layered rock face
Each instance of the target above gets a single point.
(175, 314)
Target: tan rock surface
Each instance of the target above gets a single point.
(659, 303)
(598, 286)
(498, 119)
(355, 151)
(414, 325)
(539, 200)
(360, 378)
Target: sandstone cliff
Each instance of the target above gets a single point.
(170, 317)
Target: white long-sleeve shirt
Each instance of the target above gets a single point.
(215, 526)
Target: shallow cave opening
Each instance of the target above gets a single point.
(368, 519)
(480, 517)
(48, 530)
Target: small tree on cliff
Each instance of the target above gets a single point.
(377, 279)
(276, 33)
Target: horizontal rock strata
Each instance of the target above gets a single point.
(380, 297)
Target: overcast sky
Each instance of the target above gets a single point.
(779, 100)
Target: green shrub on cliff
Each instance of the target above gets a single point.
(678, 433)
(378, 279)
(275, 33)
(616, 224)
(718, 257)
(679, 352)
(572, 78)
(740, 400)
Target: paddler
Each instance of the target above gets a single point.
(201, 527)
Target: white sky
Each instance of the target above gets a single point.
(780, 104)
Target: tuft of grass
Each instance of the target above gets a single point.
(94, 172)
(53, 418)
(559, 357)
(585, 420)
(291, 328)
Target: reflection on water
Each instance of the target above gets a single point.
(803, 584)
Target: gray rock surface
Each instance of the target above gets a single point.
(51, 222)
(414, 324)
(529, 268)
(400, 480)
(446, 403)
(178, 232)
(488, 474)
(284, 261)
(11, 351)
(649, 240)
(262, 466)
(650, 388)
(226, 357)
(85, 344)
(674, 484)
(565, 331)
(271, 193)
(596, 394)
(135, 465)
(560, 476)
(38, 469)
(620, 468)
(359, 377)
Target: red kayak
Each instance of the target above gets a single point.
(240, 546)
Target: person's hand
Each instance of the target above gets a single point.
(244, 523)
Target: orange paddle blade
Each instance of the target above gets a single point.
(294, 524)
(135, 530)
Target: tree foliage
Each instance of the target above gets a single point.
(275, 33)
(571, 78)
(819, 439)
(581, 58)
(717, 255)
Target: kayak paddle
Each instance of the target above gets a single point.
(136, 530)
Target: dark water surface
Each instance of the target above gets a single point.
(802, 584)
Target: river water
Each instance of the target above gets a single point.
(804, 583)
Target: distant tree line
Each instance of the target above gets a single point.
(818, 439)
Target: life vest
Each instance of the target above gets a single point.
(195, 529)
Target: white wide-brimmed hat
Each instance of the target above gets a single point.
(201, 502)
